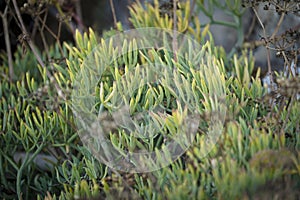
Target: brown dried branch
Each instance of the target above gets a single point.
(33, 49)
(267, 49)
(175, 42)
(113, 12)
(7, 42)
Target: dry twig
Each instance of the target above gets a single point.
(113, 12)
(7, 42)
(268, 51)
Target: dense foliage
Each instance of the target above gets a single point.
(42, 156)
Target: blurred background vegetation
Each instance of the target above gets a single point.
(44, 42)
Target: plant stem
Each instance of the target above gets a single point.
(7, 43)
(278, 25)
(174, 42)
(19, 176)
(268, 51)
(113, 12)
(37, 56)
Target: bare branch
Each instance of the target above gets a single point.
(33, 49)
(7, 43)
(113, 12)
(267, 49)
(278, 25)
(175, 45)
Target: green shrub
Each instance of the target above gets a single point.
(37, 121)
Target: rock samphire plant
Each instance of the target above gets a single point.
(42, 155)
